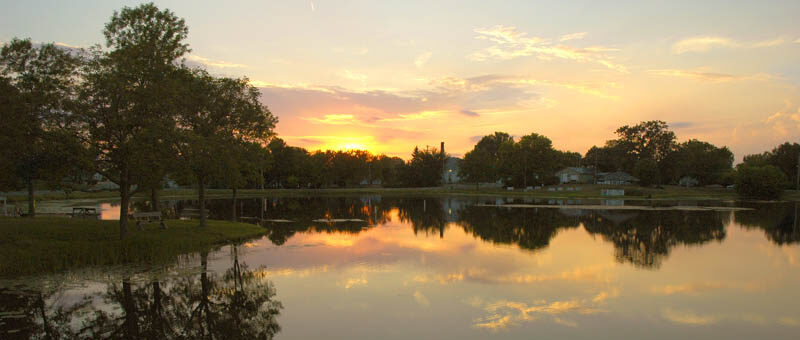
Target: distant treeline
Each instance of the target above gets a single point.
(648, 151)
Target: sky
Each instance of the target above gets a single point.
(390, 75)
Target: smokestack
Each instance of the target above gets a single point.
(442, 149)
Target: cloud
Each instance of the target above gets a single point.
(573, 36)
(707, 43)
(421, 299)
(681, 125)
(689, 288)
(788, 321)
(213, 63)
(696, 75)
(352, 51)
(504, 313)
(414, 116)
(785, 123)
(688, 317)
(770, 42)
(334, 119)
(509, 43)
(701, 44)
(354, 76)
(58, 43)
(468, 113)
(353, 282)
(422, 59)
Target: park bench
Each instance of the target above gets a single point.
(84, 212)
(148, 217)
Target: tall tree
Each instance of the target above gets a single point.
(218, 114)
(38, 88)
(477, 167)
(128, 95)
(424, 169)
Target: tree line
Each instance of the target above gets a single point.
(134, 112)
(648, 150)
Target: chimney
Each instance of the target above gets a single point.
(442, 149)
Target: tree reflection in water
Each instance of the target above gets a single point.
(645, 238)
(778, 220)
(238, 305)
(641, 237)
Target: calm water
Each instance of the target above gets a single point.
(443, 268)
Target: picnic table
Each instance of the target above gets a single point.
(148, 217)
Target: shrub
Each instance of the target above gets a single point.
(762, 182)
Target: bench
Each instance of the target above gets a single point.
(148, 217)
(84, 212)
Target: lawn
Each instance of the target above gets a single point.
(53, 244)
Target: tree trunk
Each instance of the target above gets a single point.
(131, 323)
(124, 192)
(202, 199)
(31, 202)
(234, 205)
(154, 199)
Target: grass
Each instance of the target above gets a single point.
(54, 244)
(589, 191)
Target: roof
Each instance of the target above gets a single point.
(576, 170)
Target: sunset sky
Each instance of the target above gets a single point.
(389, 75)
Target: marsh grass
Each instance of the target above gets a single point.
(55, 244)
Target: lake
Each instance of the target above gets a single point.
(444, 268)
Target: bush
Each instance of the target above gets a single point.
(762, 182)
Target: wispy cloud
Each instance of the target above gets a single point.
(422, 59)
(468, 113)
(504, 313)
(707, 43)
(688, 317)
(354, 76)
(509, 43)
(213, 63)
(689, 288)
(352, 50)
(573, 36)
(696, 75)
(334, 119)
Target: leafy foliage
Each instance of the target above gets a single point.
(762, 182)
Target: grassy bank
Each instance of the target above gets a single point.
(588, 191)
(52, 244)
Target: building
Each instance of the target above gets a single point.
(451, 167)
(578, 175)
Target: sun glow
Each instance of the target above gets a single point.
(353, 146)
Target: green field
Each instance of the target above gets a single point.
(54, 244)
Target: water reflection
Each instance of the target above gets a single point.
(779, 221)
(432, 267)
(240, 304)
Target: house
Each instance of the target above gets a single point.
(451, 166)
(615, 178)
(576, 175)
(688, 181)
